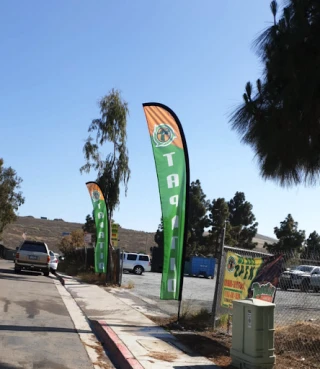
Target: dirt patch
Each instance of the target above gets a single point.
(102, 362)
(299, 343)
(163, 356)
(297, 346)
(213, 345)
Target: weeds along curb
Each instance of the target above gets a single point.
(119, 353)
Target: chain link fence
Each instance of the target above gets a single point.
(297, 304)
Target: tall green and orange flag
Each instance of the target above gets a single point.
(172, 166)
(100, 212)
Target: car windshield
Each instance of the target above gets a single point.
(304, 268)
(34, 247)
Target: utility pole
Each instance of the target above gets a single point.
(219, 258)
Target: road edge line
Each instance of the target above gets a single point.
(80, 322)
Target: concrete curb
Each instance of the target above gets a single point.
(114, 345)
(60, 279)
(111, 342)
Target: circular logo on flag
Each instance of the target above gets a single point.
(231, 264)
(95, 195)
(163, 135)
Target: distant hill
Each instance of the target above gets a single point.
(51, 232)
(260, 239)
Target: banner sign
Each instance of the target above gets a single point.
(100, 212)
(87, 238)
(250, 277)
(114, 234)
(264, 292)
(172, 166)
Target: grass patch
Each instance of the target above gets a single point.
(296, 346)
(93, 278)
(300, 341)
(195, 321)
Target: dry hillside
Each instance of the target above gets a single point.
(51, 232)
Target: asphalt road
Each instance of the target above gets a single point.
(36, 329)
(291, 306)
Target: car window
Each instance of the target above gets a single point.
(304, 268)
(35, 247)
(52, 253)
(316, 271)
(144, 257)
(131, 257)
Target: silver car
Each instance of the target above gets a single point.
(315, 280)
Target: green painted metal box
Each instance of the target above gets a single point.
(253, 334)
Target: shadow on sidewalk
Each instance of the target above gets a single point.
(8, 366)
(24, 328)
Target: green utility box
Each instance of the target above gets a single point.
(253, 334)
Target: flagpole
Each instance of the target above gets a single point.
(186, 222)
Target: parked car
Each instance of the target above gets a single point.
(32, 255)
(315, 280)
(136, 263)
(297, 277)
(54, 260)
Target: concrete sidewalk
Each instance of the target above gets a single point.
(133, 340)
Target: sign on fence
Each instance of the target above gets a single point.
(250, 277)
(87, 238)
(114, 234)
(239, 273)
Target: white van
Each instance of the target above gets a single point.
(136, 263)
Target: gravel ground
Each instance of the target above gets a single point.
(291, 306)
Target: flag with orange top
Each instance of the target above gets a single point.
(172, 166)
(100, 212)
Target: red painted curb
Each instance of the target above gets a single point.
(121, 348)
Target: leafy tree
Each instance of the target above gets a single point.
(114, 168)
(290, 239)
(10, 196)
(90, 225)
(243, 222)
(69, 243)
(158, 237)
(313, 245)
(198, 219)
(280, 118)
(219, 215)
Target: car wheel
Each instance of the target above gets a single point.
(46, 274)
(305, 285)
(316, 289)
(138, 270)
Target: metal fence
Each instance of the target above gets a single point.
(297, 305)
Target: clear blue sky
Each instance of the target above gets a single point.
(59, 57)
